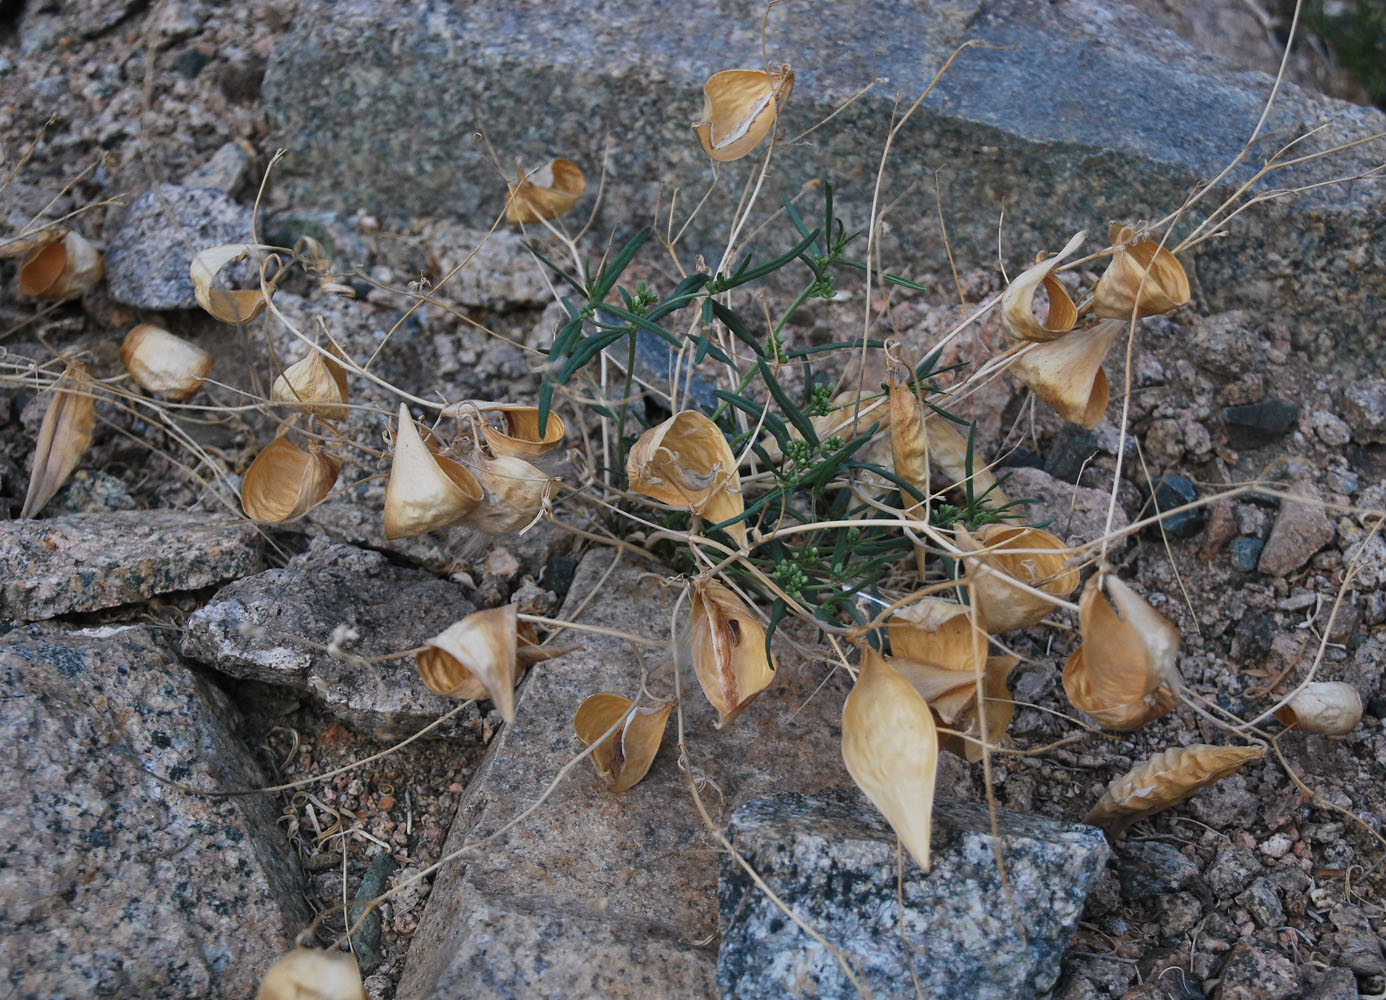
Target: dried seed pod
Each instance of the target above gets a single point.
(890, 747)
(285, 481)
(1143, 276)
(1329, 707)
(1067, 373)
(303, 974)
(314, 384)
(63, 268)
(948, 455)
(739, 109)
(1017, 304)
(909, 441)
(932, 630)
(521, 437)
(19, 245)
(729, 654)
(624, 757)
(545, 194)
(514, 493)
(475, 659)
(62, 438)
(163, 363)
(1165, 779)
(997, 712)
(425, 491)
(1002, 553)
(240, 306)
(686, 462)
(1120, 716)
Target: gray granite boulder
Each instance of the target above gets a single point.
(832, 860)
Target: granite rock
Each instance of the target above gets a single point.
(1255, 971)
(1301, 528)
(114, 883)
(1150, 868)
(1364, 409)
(1358, 945)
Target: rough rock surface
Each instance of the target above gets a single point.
(1076, 514)
(252, 627)
(82, 562)
(112, 883)
(1300, 530)
(832, 860)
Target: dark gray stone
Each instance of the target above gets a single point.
(90, 491)
(1149, 868)
(1173, 490)
(365, 942)
(1259, 423)
(1255, 971)
(1246, 552)
(1232, 871)
(832, 860)
(1070, 451)
(1330, 984)
(1262, 900)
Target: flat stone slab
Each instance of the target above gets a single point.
(832, 860)
(83, 562)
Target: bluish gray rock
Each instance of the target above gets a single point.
(832, 860)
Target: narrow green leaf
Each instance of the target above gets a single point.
(796, 416)
(614, 268)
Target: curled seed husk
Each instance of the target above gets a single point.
(909, 441)
(1017, 304)
(545, 194)
(729, 654)
(315, 384)
(521, 437)
(1329, 707)
(304, 974)
(998, 712)
(1143, 276)
(63, 268)
(740, 107)
(475, 659)
(686, 462)
(1067, 373)
(624, 757)
(1165, 779)
(227, 306)
(163, 363)
(285, 481)
(948, 454)
(514, 493)
(63, 437)
(425, 491)
(890, 747)
(1120, 716)
(1001, 553)
(19, 245)
(932, 630)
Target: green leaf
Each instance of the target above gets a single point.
(772, 423)
(796, 416)
(733, 323)
(751, 274)
(610, 271)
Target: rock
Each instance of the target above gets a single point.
(1364, 409)
(1262, 901)
(1261, 423)
(1357, 944)
(1300, 530)
(1069, 452)
(500, 274)
(1076, 514)
(82, 562)
(1232, 871)
(150, 248)
(1171, 491)
(1330, 984)
(832, 861)
(1179, 913)
(249, 629)
(1254, 971)
(226, 171)
(1246, 552)
(90, 491)
(365, 943)
(1150, 868)
(113, 883)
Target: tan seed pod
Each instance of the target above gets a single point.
(303, 974)
(514, 493)
(1125, 658)
(624, 757)
(909, 440)
(19, 245)
(890, 747)
(521, 437)
(63, 437)
(285, 481)
(997, 712)
(226, 306)
(1017, 304)
(1165, 779)
(686, 462)
(1143, 276)
(740, 107)
(729, 655)
(948, 455)
(61, 269)
(1002, 553)
(163, 363)
(1329, 707)
(545, 194)
(475, 659)
(1120, 716)
(932, 630)
(1067, 373)
(425, 491)
(315, 384)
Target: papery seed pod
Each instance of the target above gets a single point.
(932, 630)
(729, 654)
(909, 441)
(17, 246)
(63, 437)
(890, 747)
(1165, 779)
(624, 757)
(997, 711)
(1001, 553)
(227, 306)
(1329, 707)
(521, 437)
(315, 384)
(61, 269)
(1067, 373)
(948, 455)
(163, 363)
(514, 493)
(303, 974)
(686, 462)
(425, 491)
(1121, 716)
(1017, 304)
(947, 692)
(545, 194)
(1143, 276)
(475, 659)
(740, 107)
(285, 481)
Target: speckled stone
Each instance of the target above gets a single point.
(248, 630)
(1300, 530)
(832, 860)
(82, 562)
(111, 883)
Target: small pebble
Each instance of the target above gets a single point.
(1245, 553)
(1277, 845)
